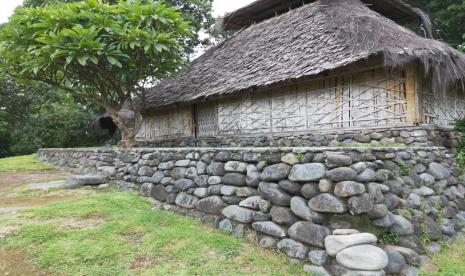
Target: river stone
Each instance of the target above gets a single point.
(410, 256)
(234, 179)
(412, 242)
(360, 204)
(201, 167)
(182, 163)
(275, 172)
(318, 257)
(201, 192)
(246, 192)
(184, 184)
(256, 203)
(272, 192)
(339, 270)
(316, 270)
(228, 190)
(378, 211)
(225, 225)
(186, 201)
(178, 172)
(290, 186)
(396, 261)
(267, 242)
(146, 189)
(363, 257)
(145, 171)
(82, 180)
(348, 189)
(336, 243)
(269, 228)
(384, 222)
(211, 205)
(159, 193)
(413, 200)
(290, 159)
(325, 186)
(235, 166)
(334, 159)
(309, 190)
(341, 174)
(375, 191)
(243, 215)
(309, 233)
(438, 171)
(214, 180)
(253, 176)
(366, 176)
(283, 216)
(216, 169)
(327, 203)
(293, 248)
(427, 179)
(424, 191)
(307, 172)
(299, 206)
(402, 226)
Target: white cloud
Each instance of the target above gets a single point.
(7, 8)
(220, 7)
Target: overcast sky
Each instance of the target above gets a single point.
(220, 7)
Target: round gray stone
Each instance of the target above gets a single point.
(348, 189)
(327, 203)
(363, 257)
(269, 228)
(243, 215)
(341, 174)
(272, 192)
(275, 172)
(211, 205)
(307, 172)
(299, 206)
(309, 233)
(293, 248)
(336, 243)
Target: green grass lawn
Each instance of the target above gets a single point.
(449, 262)
(23, 163)
(117, 233)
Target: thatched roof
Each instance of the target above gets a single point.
(305, 42)
(260, 10)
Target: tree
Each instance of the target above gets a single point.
(448, 17)
(198, 12)
(106, 54)
(31, 118)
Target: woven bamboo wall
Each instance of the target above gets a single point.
(375, 98)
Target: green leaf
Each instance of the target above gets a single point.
(82, 60)
(114, 61)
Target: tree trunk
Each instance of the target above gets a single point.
(128, 123)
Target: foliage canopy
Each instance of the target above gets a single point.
(103, 53)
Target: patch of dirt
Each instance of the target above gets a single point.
(30, 201)
(78, 223)
(12, 180)
(8, 230)
(14, 262)
(133, 238)
(146, 261)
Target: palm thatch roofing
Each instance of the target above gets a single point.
(306, 42)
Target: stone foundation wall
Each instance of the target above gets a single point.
(301, 200)
(407, 136)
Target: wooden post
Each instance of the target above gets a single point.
(414, 105)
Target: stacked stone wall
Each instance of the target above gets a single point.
(405, 136)
(326, 206)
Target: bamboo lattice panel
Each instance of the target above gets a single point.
(373, 98)
(443, 110)
(176, 123)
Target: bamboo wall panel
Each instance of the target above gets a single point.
(374, 98)
(166, 125)
(443, 110)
